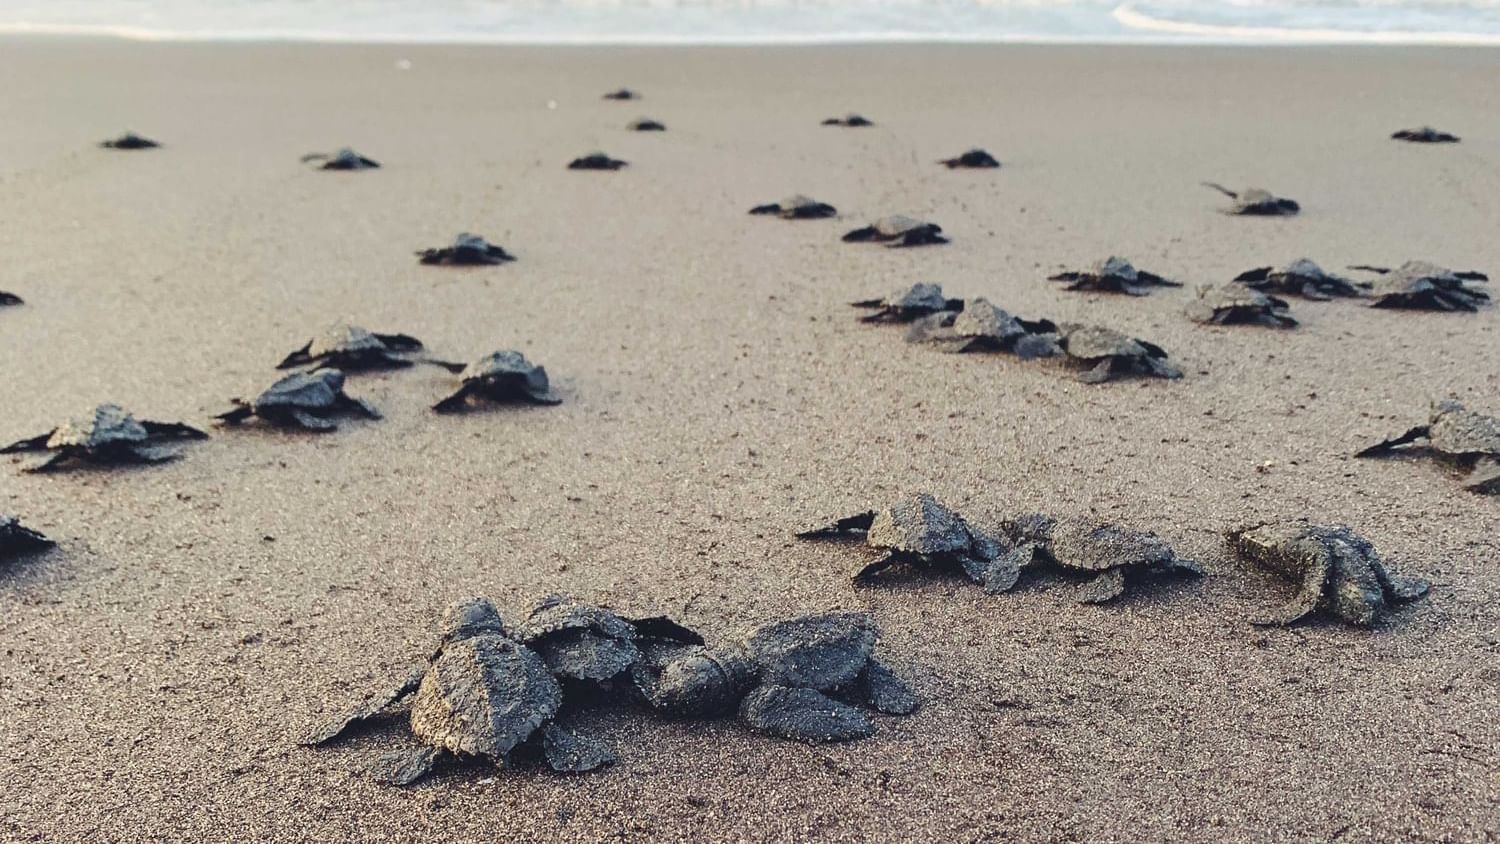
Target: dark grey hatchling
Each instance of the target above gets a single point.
(1425, 135)
(586, 644)
(1468, 439)
(482, 694)
(1235, 304)
(1108, 553)
(353, 349)
(500, 377)
(808, 679)
(344, 159)
(1422, 285)
(107, 435)
(920, 532)
(915, 302)
(974, 159)
(467, 250)
(622, 94)
(1109, 354)
(898, 231)
(797, 207)
(312, 401)
(1336, 569)
(596, 161)
(1113, 275)
(7, 299)
(1302, 278)
(983, 327)
(849, 120)
(645, 124)
(17, 539)
(129, 140)
(1256, 202)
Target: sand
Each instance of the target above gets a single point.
(157, 668)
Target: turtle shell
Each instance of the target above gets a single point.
(1229, 304)
(1090, 546)
(317, 390)
(1091, 342)
(484, 695)
(344, 339)
(897, 225)
(1456, 430)
(822, 652)
(579, 641)
(108, 425)
(979, 318)
(920, 525)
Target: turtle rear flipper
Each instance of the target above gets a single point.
(310, 422)
(841, 527)
(860, 236)
(1255, 276)
(770, 208)
(239, 414)
(400, 342)
(404, 767)
(1104, 588)
(36, 443)
(1485, 478)
(803, 715)
(361, 407)
(881, 690)
(1386, 447)
(1305, 602)
(569, 753)
(369, 708)
(298, 358)
(456, 402)
(57, 461)
(10, 299)
(1221, 189)
(449, 365)
(874, 568)
(173, 429)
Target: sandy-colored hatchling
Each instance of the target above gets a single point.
(1256, 202)
(107, 435)
(1468, 439)
(1113, 275)
(312, 401)
(898, 231)
(353, 349)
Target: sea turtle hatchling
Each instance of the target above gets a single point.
(308, 400)
(106, 435)
(8, 299)
(917, 301)
(849, 121)
(344, 159)
(129, 140)
(797, 207)
(481, 694)
(1108, 553)
(1469, 439)
(467, 250)
(622, 94)
(1422, 285)
(499, 377)
(1337, 571)
(1235, 304)
(1113, 275)
(1424, 135)
(897, 231)
(353, 349)
(920, 532)
(809, 679)
(589, 644)
(17, 539)
(974, 159)
(595, 161)
(646, 124)
(981, 326)
(1302, 278)
(1256, 202)
(1110, 354)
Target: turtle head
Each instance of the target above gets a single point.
(469, 618)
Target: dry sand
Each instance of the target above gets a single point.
(719, 394)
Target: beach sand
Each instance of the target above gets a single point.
(719, 394)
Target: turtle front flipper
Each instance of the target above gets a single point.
(771, 208)
(456, 402)
(880, 689)
(297, 358)
(36, 443)
(55, 462)
(1417, 433)
(1485, 478)
(361, 407)
(1395, 586)
(803, 715)
(865, 574)
(1221, 189)
(840, 527)
(1104, 588)
(146, 456)
(867, 233)
(449, 365)
(239, 414)
(567, 752)
(308, 421)
(175, 430)
(1003, 572)
(366, 709)
(1309, 595)
(1102, 371)
(404, 767)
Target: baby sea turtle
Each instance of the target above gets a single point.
(1422, 285)
(17, 539)
(1109, 553)
(1255, 202)
(499, 377)
(808, 679)
(645, 124)
(981, 326)
(919, 300)
(976, 159)
(851, 120)
(1469, 439)
(898, 231)
(595, 161)
(1302, 278)
(1113, 275)
(344, 159)
(797, 207)
(1235, 304)
(584, 643)
(7, 299)
(353, 349)
(106, 435)
(129, 140)
(1337, 569)
(466, 250)
(309, 400)
(622, 94)
(1111, 354)
(482, 694)
(1424, 135)
(917, 531)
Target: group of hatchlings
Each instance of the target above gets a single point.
(501, 692)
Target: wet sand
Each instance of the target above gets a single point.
(719, 394)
